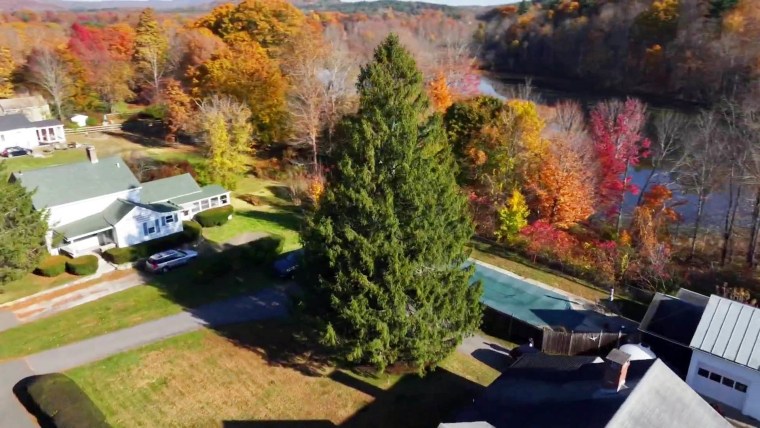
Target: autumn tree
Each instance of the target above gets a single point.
(440, 94)
(151, 49)
(48, 70)
(179, 107)
(464, 121)
(385, 247)
(225, 123)
(245, 72)
(616, 128)
(7, 66)
(513, 216)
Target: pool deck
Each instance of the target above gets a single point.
(606, 319)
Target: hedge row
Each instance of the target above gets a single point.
(214, 216)
(82, 265)
(52, 266)
(147, 249)
(57, 401)
(264, 250)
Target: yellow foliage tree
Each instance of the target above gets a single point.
(246, 72)
(440, 94)
(178, 108)
(7, 66)
(228, 134)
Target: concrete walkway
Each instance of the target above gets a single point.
(266, 304)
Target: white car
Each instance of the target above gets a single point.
(165, 260)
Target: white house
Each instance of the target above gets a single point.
(725, 364)
(34, 107)
(99, 204)
(17, 130)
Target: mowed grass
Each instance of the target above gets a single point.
(31, 284)
(274, 215)
(252, 372)
(164, 295)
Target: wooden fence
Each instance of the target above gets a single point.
(573, 343)
(100, 128)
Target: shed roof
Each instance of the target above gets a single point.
(730, 330)
(14, 121)
(62, 184)
(168, 188)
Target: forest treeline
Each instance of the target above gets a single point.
(695, 50)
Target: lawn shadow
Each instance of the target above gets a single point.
(496, 360)
(143, 140)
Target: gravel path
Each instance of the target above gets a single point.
(266, 304)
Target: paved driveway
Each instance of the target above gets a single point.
(266, 304)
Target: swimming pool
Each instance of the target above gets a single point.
(539, 306)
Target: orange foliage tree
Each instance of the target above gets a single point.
(440, 94)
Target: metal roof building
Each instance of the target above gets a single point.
(730, 330)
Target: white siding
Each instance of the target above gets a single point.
(65, 214)
(26, 138)
(748, 402)
(190, 209)
(129, 231)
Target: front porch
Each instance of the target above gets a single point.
(50, 133)
(87, 244)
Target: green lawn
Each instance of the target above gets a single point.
(209, 279)
(262, 372)
(31, 284)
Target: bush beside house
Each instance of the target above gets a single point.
(192, 230)
(52, 266)
(82, 265)
(57, 401)
(215, 216)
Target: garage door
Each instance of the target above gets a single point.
(722, 388)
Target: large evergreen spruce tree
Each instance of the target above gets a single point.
(387, 243)
(22, 231)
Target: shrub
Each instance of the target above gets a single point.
(264, 250)
(146, 249)
(83, 265)
(215, 216)
(155, 111)
(57, 401)
(192, 230)
(52, 266)
(91, 121)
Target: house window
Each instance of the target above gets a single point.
(740, 387)
(703, 373)
(196, 207)
(728, 382)
(149, 228)
(185, 213)
(224, 199)
(204, 204)
(169, 219)
(716, 377)
(215, 201)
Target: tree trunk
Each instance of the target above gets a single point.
(700, 207)
(58, 108)
(753, 234)
(619, 224)
(646, 184)
(728, 226)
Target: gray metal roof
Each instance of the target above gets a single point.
(97, 222)
(48, 122)
(14, 121)
(168, 188)
(58, 185)
(730, 330)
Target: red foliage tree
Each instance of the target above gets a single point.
(616, 128)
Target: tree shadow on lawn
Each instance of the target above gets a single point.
(412, 401)
(145, 141)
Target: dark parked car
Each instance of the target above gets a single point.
(286, 266)
(12, 152)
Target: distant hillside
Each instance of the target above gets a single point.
(35, 5)
(375, 6)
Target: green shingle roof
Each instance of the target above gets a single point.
(62, 184)
(205, 192)
(168, 188)
(97, 222)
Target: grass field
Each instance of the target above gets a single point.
(254, 372)
(166, 294)
(31, 284)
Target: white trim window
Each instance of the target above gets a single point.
(168, 219)
(196, 207)
(215, 201)
(151, 227)
(204, 204)
(723, 380)
(224, 199)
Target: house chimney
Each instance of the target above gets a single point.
(92, 155)
(615, 370)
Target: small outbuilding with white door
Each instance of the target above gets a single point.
(725, 364)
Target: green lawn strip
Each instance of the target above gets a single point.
(31, 284)
(277, 222)
(191, 286)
